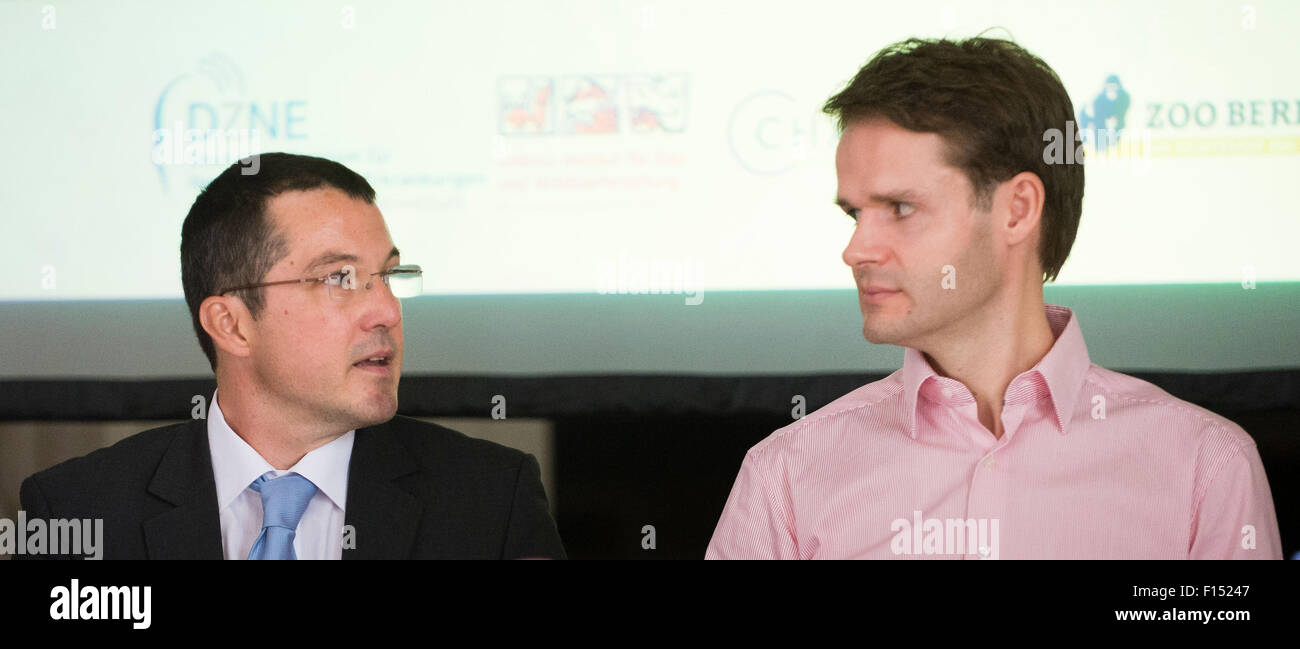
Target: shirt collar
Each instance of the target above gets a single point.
(1059, 374)
(235, 464)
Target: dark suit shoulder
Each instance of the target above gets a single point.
(452, 448)
(141, 450)
(107, 473)
(461, 497)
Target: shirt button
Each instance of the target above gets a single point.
(947, 393)
(984, 551)
(988, 464)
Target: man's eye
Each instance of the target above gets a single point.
(903, 209)
(852, 213)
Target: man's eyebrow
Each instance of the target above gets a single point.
(897, 196)
(330, 257)
(335, 256)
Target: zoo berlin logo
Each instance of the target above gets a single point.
(56, 536)
(1185, 127)
(952, 536)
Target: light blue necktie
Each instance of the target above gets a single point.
(284, 500)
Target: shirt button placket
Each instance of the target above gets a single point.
(987, 500)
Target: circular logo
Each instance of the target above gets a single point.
(769, 134)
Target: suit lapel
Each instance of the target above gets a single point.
(191, 528)
(384, 517)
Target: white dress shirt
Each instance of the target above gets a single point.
(235, 465)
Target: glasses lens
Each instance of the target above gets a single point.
(406, 281)
(403, 281)
(334, 285)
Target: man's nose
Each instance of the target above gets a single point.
(382, 307)
(866, 246)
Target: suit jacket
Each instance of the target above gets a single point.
(415, 491)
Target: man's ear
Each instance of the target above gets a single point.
(228, 322)
(1023, 196)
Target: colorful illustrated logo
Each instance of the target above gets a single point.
(587, 105)
(525, 105)
(591, 104)
(657, 104)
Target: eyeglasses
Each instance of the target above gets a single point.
(404, 281)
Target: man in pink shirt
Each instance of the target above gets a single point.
(998, 438)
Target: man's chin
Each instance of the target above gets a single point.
(873, 337)
(384, 411)
(375, 410)
(879, 336)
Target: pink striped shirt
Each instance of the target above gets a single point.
(1093, 464)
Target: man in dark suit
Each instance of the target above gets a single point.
(293, 285)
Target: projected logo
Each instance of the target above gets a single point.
(524, 105)
(592, 104)
(587, 105)
(206, 119)
(1101, 134)
(657, 104)
(1106, 112)
(1176, 127)
(770, 133)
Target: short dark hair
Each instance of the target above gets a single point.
(227, 239)
(992, 102)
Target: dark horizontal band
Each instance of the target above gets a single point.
(567, 396)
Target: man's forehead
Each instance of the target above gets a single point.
(303, 212)
(325, 226)
(882, 143)
(294, 204)
(879, 156)
(338, 256)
